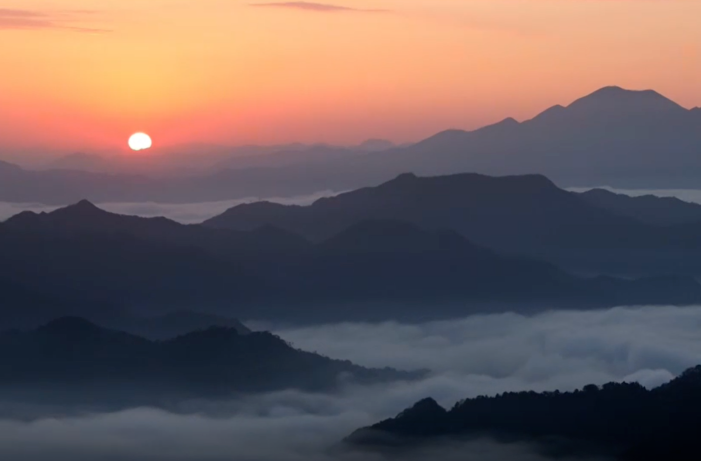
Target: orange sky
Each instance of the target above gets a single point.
(85, 74)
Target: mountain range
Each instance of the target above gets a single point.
(650, 209)
(618, 420)
(73, 361)
(191, 159)
(594, 233)
(401, 246)
(615, 137)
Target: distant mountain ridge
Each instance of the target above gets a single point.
(650, 209)
(85, 217)
(614, 136)
(198, 158)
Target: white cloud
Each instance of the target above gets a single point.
(493, 353)
(477, 355)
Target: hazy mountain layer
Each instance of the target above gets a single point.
(528, 214)
(612, 137)
(650, 209)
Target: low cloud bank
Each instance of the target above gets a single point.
(553, 350)
(477, 355)
(151, 435)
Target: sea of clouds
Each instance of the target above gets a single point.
(478, 355)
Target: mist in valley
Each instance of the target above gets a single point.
(477, 355)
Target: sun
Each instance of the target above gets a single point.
(140, 141)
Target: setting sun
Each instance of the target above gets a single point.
(140, 141)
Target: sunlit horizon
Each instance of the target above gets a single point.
(83, 75)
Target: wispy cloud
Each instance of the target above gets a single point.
(15, 19)
(318, 7)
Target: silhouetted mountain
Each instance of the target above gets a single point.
(123, 270)
(661, 211)
(85, 218)
(613, 136)
(83, 363)
(151, 264)
(517, 214)
(625, 421)
(402, 198)
(154, 265)
(173, 324)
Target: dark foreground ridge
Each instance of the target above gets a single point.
(73, 361)
(624, 420)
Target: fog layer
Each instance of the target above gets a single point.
(487, 354)
(472, 356)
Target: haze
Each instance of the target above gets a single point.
(350, 230)
(85, 74)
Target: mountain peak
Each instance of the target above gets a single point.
(550, 113)
(425, 418)
(609, 90)
(616, 91)
(84, 205)
(81, 210)
(621, 99)
(425, 408)
(405, 177)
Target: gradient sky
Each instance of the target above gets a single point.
(85, 74)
